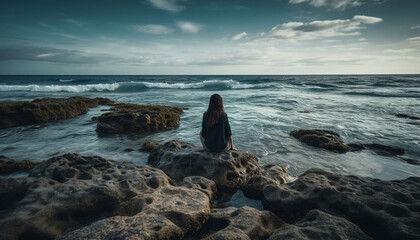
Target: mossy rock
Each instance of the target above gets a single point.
(42, 110)
(134, 118)
(322, 138)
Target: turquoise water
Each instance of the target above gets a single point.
(262, 111)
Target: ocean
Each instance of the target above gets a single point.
(262, 111)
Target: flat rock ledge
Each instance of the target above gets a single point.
(78, 197)
(229, 169)
(133, 118)
(43, 110)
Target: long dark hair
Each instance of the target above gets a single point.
(215, 110)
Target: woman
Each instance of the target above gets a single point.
(215, 134)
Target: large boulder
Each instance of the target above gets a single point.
(14, 114)
(134, 118)
(95, 198)
(381, 209)
(321, 138)
(229, 169)
(320, 225)
(238, 223)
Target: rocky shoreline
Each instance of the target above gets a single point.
(183, 194)
(79, 197)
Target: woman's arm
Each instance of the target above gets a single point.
(231, 143)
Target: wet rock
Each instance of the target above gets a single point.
(149, 145)
(14, 114)
(320, 225)
(8, 165)
(129, 149)
(238, 223)
(274, 173)
(321, 138)
(381, 209)
(228, 169)
(385, 150)
(410, 161)
(402, 115)
(95, 198)
(354, 147)
(134, 118)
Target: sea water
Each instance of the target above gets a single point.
(262, 111)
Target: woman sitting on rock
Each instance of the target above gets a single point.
(215, 134)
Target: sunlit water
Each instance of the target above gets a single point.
(262, 111)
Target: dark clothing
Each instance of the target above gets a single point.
(215, 137)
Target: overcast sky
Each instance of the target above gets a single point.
(209, 37)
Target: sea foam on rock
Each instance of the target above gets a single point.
(229, 169)
(95, 198)
(14, 114)
(381, 209)
(134, 118)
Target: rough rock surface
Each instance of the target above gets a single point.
(274, 173)
(149, 145)
(228, 169)
(320, 225)
(14, 114)
(8, 165)
(238, 223)
(382, 209)
(134, 118)
(101, 199)
(321, 138)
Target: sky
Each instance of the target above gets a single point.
(198, 37)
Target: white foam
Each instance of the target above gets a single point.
(58, 88)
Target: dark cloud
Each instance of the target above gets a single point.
(49, 54)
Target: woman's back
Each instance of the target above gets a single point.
(215, 137)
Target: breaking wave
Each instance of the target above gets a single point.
(135, 86)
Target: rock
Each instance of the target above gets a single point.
(228, 169)
(381, 209)
(385, 150)
(321, 138)
(354, 147)
(149, 145)
(8, 165)
(402, 115)
(129, 149)
(95, 198)
(14, 114)
(320, 225)
(410, 161)
(238, 223)
(274, 173)
(134, 118)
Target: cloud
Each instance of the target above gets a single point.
(336, 4)
(167, 5)
(400, 51)
(189, 27)
(48, 54)
(75, 22)
(154, 29)
(415, 27)
(414, 39)
(239, 36)
(299, 31)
